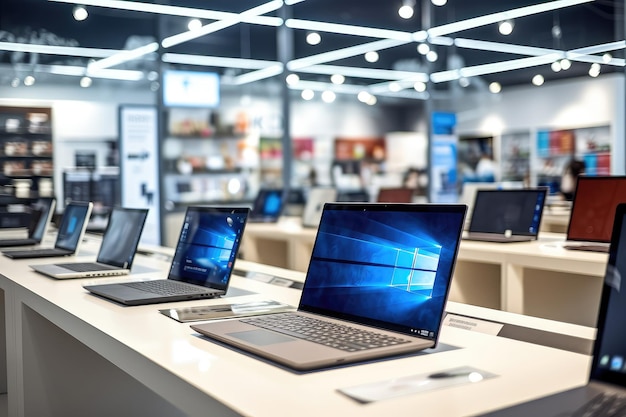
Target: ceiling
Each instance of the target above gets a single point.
(578, 26)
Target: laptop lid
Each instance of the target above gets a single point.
(515, 212)
(208, 245)
(315, 204)
(593, 207)
(121, 237)
(46, 207)
(73, 225)
(384, 265)
(609, 353)
(268, 204)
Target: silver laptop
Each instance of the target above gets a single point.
(203, 262)
(117, 250)
(69, 236)
(44, 207)
(507, 215)
(607, 378)
(379, 274)
(315, 204)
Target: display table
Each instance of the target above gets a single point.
(538, 278)
(70, 353)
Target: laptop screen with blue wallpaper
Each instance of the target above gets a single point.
(208, 245)
(385, 265)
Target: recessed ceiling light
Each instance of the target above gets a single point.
(607, 57)
(432, 56)
(80, 13)
(29, 80)
(307, 94)
(439, 2)
(337, 79)
(85, 82)
(328, 96)
(406, 10)
(194, 24)
(556, 66)
(594, 70)
(292, 79)
(419, 86)
(313, 38)
(538, 80)
(15, 82)
(566, 64)
(371, 56)
(464, 82)
(495, 87)
(395, 86)
(423, 48)
(372, 100)
(506, 27)
(363, 96)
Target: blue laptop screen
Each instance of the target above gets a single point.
(208, 245)
(72, 222)
(384, 264)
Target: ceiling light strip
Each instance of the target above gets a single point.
(365, 72)
(123, 56)
(221, 24)
(174, 11)
(258, 75)
(497, 17)
(216, 61)
(57, 50)
(348, 52)
(348, 30)
(492, 68)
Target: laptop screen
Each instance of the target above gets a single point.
(499, 211)
(609, 360)
(72, 222)
(384, 265)
(268, 203)
(208, 245)
(121, 236)
(594, 206)
(45, 206)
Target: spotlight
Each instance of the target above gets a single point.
(419, 86)
(194, 24)
(538, 80)
(432, 56)
(406, 10)
(29, 80)
(506, 27)
(594, 71)
(395, 86)
(556, 66)
(495, 87)
(371, 56)
(607, 57)
(307, 94)
(292, 79)
(439, 2)
(566, 64)
(423, 48)
(313, 38)
(85, 82)
(80, 13)
(464, 82)
(337, 79)
(328, 96)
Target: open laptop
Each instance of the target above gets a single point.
(69, 236)
(117, 250)
(608, 373)
(395, 195)
(203, 262)
(591, 220)
(43, 210)
(380, 271)
(506, 215)
(268, 205)
(315, 204)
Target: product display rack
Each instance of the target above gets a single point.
(26, 151)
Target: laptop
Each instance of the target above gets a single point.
(69, 236)
(506, 215)
(42, 211)
(591, 220)
(268, 205)
(117, 250)
(395, 195)
(315, 204)
(379, 271)
(607, 373)
(203, 261)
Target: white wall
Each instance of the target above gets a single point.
(583, 102)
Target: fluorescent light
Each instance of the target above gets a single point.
(258, 75)
(221, 24)
(348, 29)
(175, 11)
(124, 56)
(497, 17)
(57, 50)
(338, 54)
(216, 61)
(372, 73)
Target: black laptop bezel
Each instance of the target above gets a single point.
(484, 192)
(39, 230)
(460, 209)
(128, 262)
(65, 218)
(258, 207)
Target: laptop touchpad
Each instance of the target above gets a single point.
(261, 337)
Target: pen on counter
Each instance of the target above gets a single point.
(449, 374)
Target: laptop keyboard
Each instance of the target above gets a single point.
(84, 267)
(604, 404)
(334, 335)
(166, 287)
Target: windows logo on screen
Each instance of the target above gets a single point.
(415, 270)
